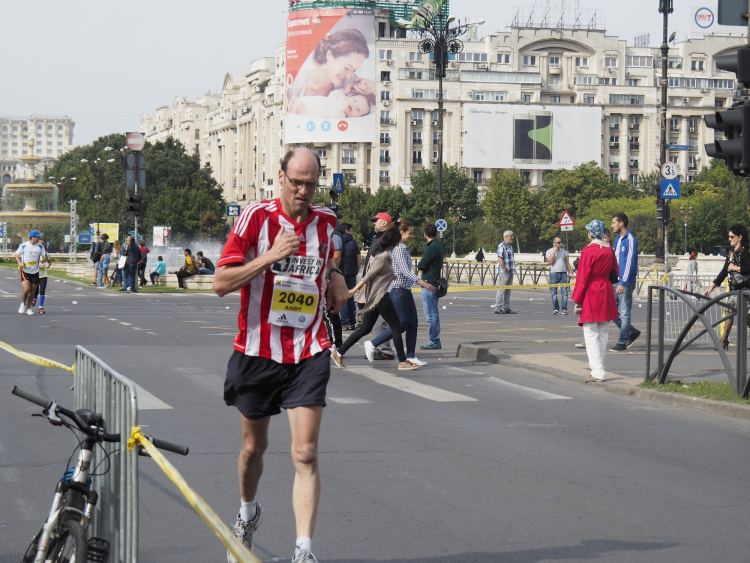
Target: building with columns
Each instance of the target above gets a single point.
(52, 135)
(242, 135)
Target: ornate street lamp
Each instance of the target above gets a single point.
(441, 38)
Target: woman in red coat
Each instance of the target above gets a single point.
(595, 298)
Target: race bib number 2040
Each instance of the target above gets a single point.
(294, 302)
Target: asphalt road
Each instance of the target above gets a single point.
(454, 463)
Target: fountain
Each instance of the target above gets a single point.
(30, 217)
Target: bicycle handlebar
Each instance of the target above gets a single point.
(169, 446)
(32, 397)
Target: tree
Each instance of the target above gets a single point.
(507, 203)
(354, 203)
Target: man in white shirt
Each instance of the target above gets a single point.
(28, 256)
(557, 258)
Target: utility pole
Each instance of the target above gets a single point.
(662, 227)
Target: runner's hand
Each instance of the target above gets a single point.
(285, 245)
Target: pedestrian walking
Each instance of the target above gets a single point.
(132, 254)
(96, 257)
(692, 283)
(41, 288)
(595, 298)
(381, 223)
(737, 269)
(143, 262)
(352, 266)
(281, 360)
(28, 256)
(115, 259)
(626, 252)
(188, 268)
(373, 294)
(557, 258)
(402, 296)
(431, 266)
(506, 268)
(613, 276)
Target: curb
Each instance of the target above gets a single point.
(482, 352)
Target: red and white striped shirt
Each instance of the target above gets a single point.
(254, 234)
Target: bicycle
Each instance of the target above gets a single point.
(63, 538)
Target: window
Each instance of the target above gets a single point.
(385, 138)
(582, 61)
(526, 98)
(49, 151)
(503, 58)
(49, 143)
(323, 173)
(349, 156)
(415, 56)
(614, 161)
(426, 93)
(614, 142)
(479, 96)
(479, 176)
(645, 62)
(464, 57)
(634, 82)
(626, 100)
(436, 138)
(693, 124)
(59, 136)
(435, 117)
(59, 127)
(382, 29)
(674, 124)
(416, 137)
(719, 103)
(38, 135)
(350, 176)
(49, 136)
(322, 153)
(38, 127)
(589, 99)
(386, 54)
(385, 117)
(634, 145)
(634, 162)
(693, 144)
(554, 79)
(385, 95)
(610, 62)
(696, 64)
(385, 157)
(417, 117)
(385, 75)
(614, 122)
(416, 157)
(5, 127)
(633, 179)
(672, 158)
(529, 60)
(554, 99)
(554, 62)
(385, 177)
(49, 127)
(635, 122)
(414, 74)
(585, 79)
(692, 164)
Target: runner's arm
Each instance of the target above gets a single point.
(338, 293)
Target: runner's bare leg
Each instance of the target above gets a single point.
(250, 462)
(26, 285)
(305, 426)
(30, 298)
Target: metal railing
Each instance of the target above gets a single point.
(100, 389)
(678, 311)
(706, 314)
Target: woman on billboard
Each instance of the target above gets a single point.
(333, 65)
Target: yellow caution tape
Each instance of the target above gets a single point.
(34, 359)
(222, 531)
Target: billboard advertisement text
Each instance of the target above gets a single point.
(531, 137)
(330, 80)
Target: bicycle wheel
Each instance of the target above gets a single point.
(72, 546)
(31, 551)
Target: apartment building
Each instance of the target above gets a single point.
(53, 136)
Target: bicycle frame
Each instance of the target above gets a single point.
(77, 484)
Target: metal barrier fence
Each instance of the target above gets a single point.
(485, 272)
(100, 389)
(701, 321)
(678, 313)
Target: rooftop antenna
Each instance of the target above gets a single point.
(530, 21)
(545, 19)
(561, 22)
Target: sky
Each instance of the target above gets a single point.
(105, 63)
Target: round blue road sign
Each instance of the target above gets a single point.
(441, 225)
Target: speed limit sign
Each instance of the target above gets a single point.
(670, 170)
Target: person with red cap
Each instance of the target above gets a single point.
(381, 222)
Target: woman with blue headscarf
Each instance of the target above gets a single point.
(595, 298)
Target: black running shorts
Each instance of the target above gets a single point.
(33, 278)
(260, 387)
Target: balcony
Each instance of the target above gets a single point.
(634, 165)
(385, 121)
(416, 142)
(385, 141)
(635, 147)
(417, 162)
(385, 160)
(614, 165)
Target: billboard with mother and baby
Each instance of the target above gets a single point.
(330, 80)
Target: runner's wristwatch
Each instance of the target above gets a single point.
(328, 277)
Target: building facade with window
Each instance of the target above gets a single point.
(52, 136)
(242, 136)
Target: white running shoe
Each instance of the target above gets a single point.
(244, 532)
(29, 311)
(305, 556)
(417, 361)
(22, 309)
(370, 351)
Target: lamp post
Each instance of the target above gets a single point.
(97, 166)
(455, 216)
(662, 228)
(442, 39)
(62, 183)
(686, 216)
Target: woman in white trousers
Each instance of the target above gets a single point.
(595, 298)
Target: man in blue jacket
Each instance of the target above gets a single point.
(626, 250)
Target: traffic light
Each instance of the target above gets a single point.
(738, 63)
(734, 149)
(134, 204)
(662, 212)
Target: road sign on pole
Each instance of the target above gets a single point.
(338, 183)
(233, 209)
(441, 225)
(670, 170)
(135, 141)
(566, 220)
(670, 189)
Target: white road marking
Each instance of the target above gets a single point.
(149, 402)
(348, 400)
(126, 324)
(462, 370)
(408, 386)
(153, 334)
(540, 395)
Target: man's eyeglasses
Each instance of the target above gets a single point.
(299, 184)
